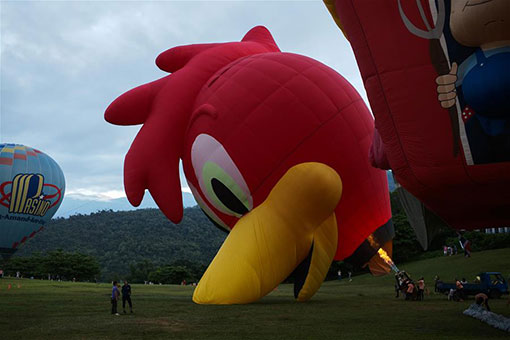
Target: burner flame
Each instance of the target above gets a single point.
(384, 255)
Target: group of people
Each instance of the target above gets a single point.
(411, 290)
(456, 294)
(349, 275)
(126, 297)
(450, 250)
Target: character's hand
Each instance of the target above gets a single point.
(446, 88)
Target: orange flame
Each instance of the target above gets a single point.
(384, 255)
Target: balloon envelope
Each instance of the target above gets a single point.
(31, 190)
(439, 94)
(274, 146)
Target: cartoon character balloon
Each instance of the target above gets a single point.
(437, 74)
(275, 150)
(31, 190)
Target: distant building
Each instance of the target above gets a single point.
(497, 230)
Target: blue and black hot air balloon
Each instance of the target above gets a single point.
(31, 190)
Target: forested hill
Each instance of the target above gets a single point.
(117, 239)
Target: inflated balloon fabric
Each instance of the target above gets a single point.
(274, 147)
(31, 190)
(277, 233)
(437, 75)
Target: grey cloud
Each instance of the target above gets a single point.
(62, 63)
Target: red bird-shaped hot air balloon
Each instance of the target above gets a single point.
(275, 150)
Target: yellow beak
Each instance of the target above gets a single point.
(295, 223)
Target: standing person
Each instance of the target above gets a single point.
(460, 290)
(482, 299)
(437, 280)
(115, 297)
(349, 273)
(339, 274)
(451, 294)
(421, 288)
(126, 296)
(397, 286)
(467, 249)
(410, 290)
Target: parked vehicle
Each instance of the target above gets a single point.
(491, 283)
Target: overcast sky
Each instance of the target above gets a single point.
(63, 62)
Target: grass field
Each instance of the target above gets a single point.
(362, 309)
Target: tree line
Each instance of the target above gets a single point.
(55, 265)
(143, 245)
(121, 239)
(172, 273)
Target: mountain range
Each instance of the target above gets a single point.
(73, 206)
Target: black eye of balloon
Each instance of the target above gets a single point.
(227, 197)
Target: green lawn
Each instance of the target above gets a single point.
(362, 309)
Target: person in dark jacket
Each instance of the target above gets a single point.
(126, 296)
